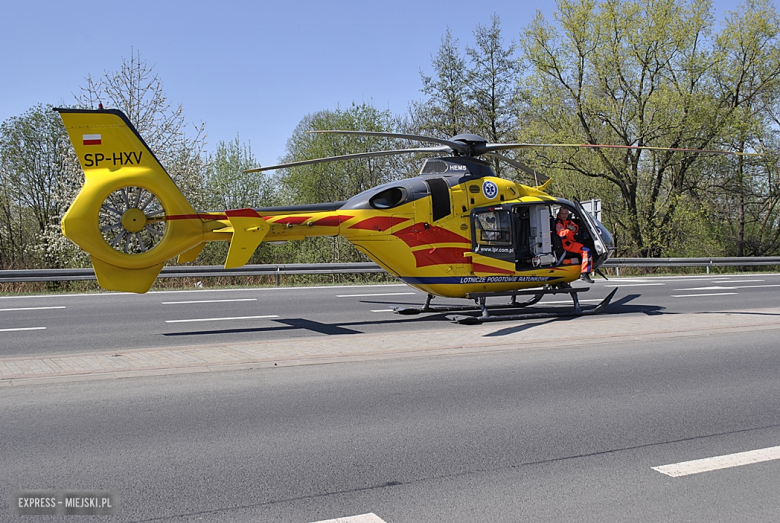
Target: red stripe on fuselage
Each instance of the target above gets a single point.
(417, 235)
(331, 221)
(379, 223)
(440, 256)
(295, 220)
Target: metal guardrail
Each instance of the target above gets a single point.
(749, 261)
(192, 271)
(35, 275)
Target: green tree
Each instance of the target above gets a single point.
(38, 178)
(334, 181)
(228, 186)
(492, 85)
(337, 181)
(747, 75)
(629, 73)
(445, 113)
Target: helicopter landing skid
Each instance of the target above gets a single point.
(577, 311)
(536, 295)
(480, 298)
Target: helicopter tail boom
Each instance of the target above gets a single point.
(131, 218)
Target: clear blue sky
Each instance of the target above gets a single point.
(252, 69)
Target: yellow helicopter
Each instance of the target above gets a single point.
(455, 231)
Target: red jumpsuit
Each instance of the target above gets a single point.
(567, 230)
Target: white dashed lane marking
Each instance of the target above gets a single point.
(366, 295)
(30, 309)
(365, 518)
(634, 285)
(697, 466)
(699, 295)
(223, 319)
(206, 301)
(22, 329)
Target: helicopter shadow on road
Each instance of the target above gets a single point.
(621, 306)
(314, 327)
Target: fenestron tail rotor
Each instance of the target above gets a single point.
(132, 220)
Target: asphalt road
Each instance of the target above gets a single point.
(560, 434)
(568, 432)
(58, 324)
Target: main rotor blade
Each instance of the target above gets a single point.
(520, 165)
(502, 147)
(490, 147)
(457, 146)
(351, 157)
(670, 149)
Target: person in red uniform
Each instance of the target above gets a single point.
(567, 232)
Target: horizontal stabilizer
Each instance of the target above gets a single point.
(249, 229)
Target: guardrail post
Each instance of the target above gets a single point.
(278, 277)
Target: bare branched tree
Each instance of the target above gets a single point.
(137, 91)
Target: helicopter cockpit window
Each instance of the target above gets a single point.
(492, 228)
(388, 198)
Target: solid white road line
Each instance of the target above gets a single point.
(365, 518)
(31, 309)
(698, 295)
(223, 319)
(365, 295)
(207, 301)
(24, 329)
(735, 281)
(698, 466)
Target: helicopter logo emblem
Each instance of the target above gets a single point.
(490, 190)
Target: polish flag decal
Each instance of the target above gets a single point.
(92, 139)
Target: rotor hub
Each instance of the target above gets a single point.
(133, 220)
(476, 144)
